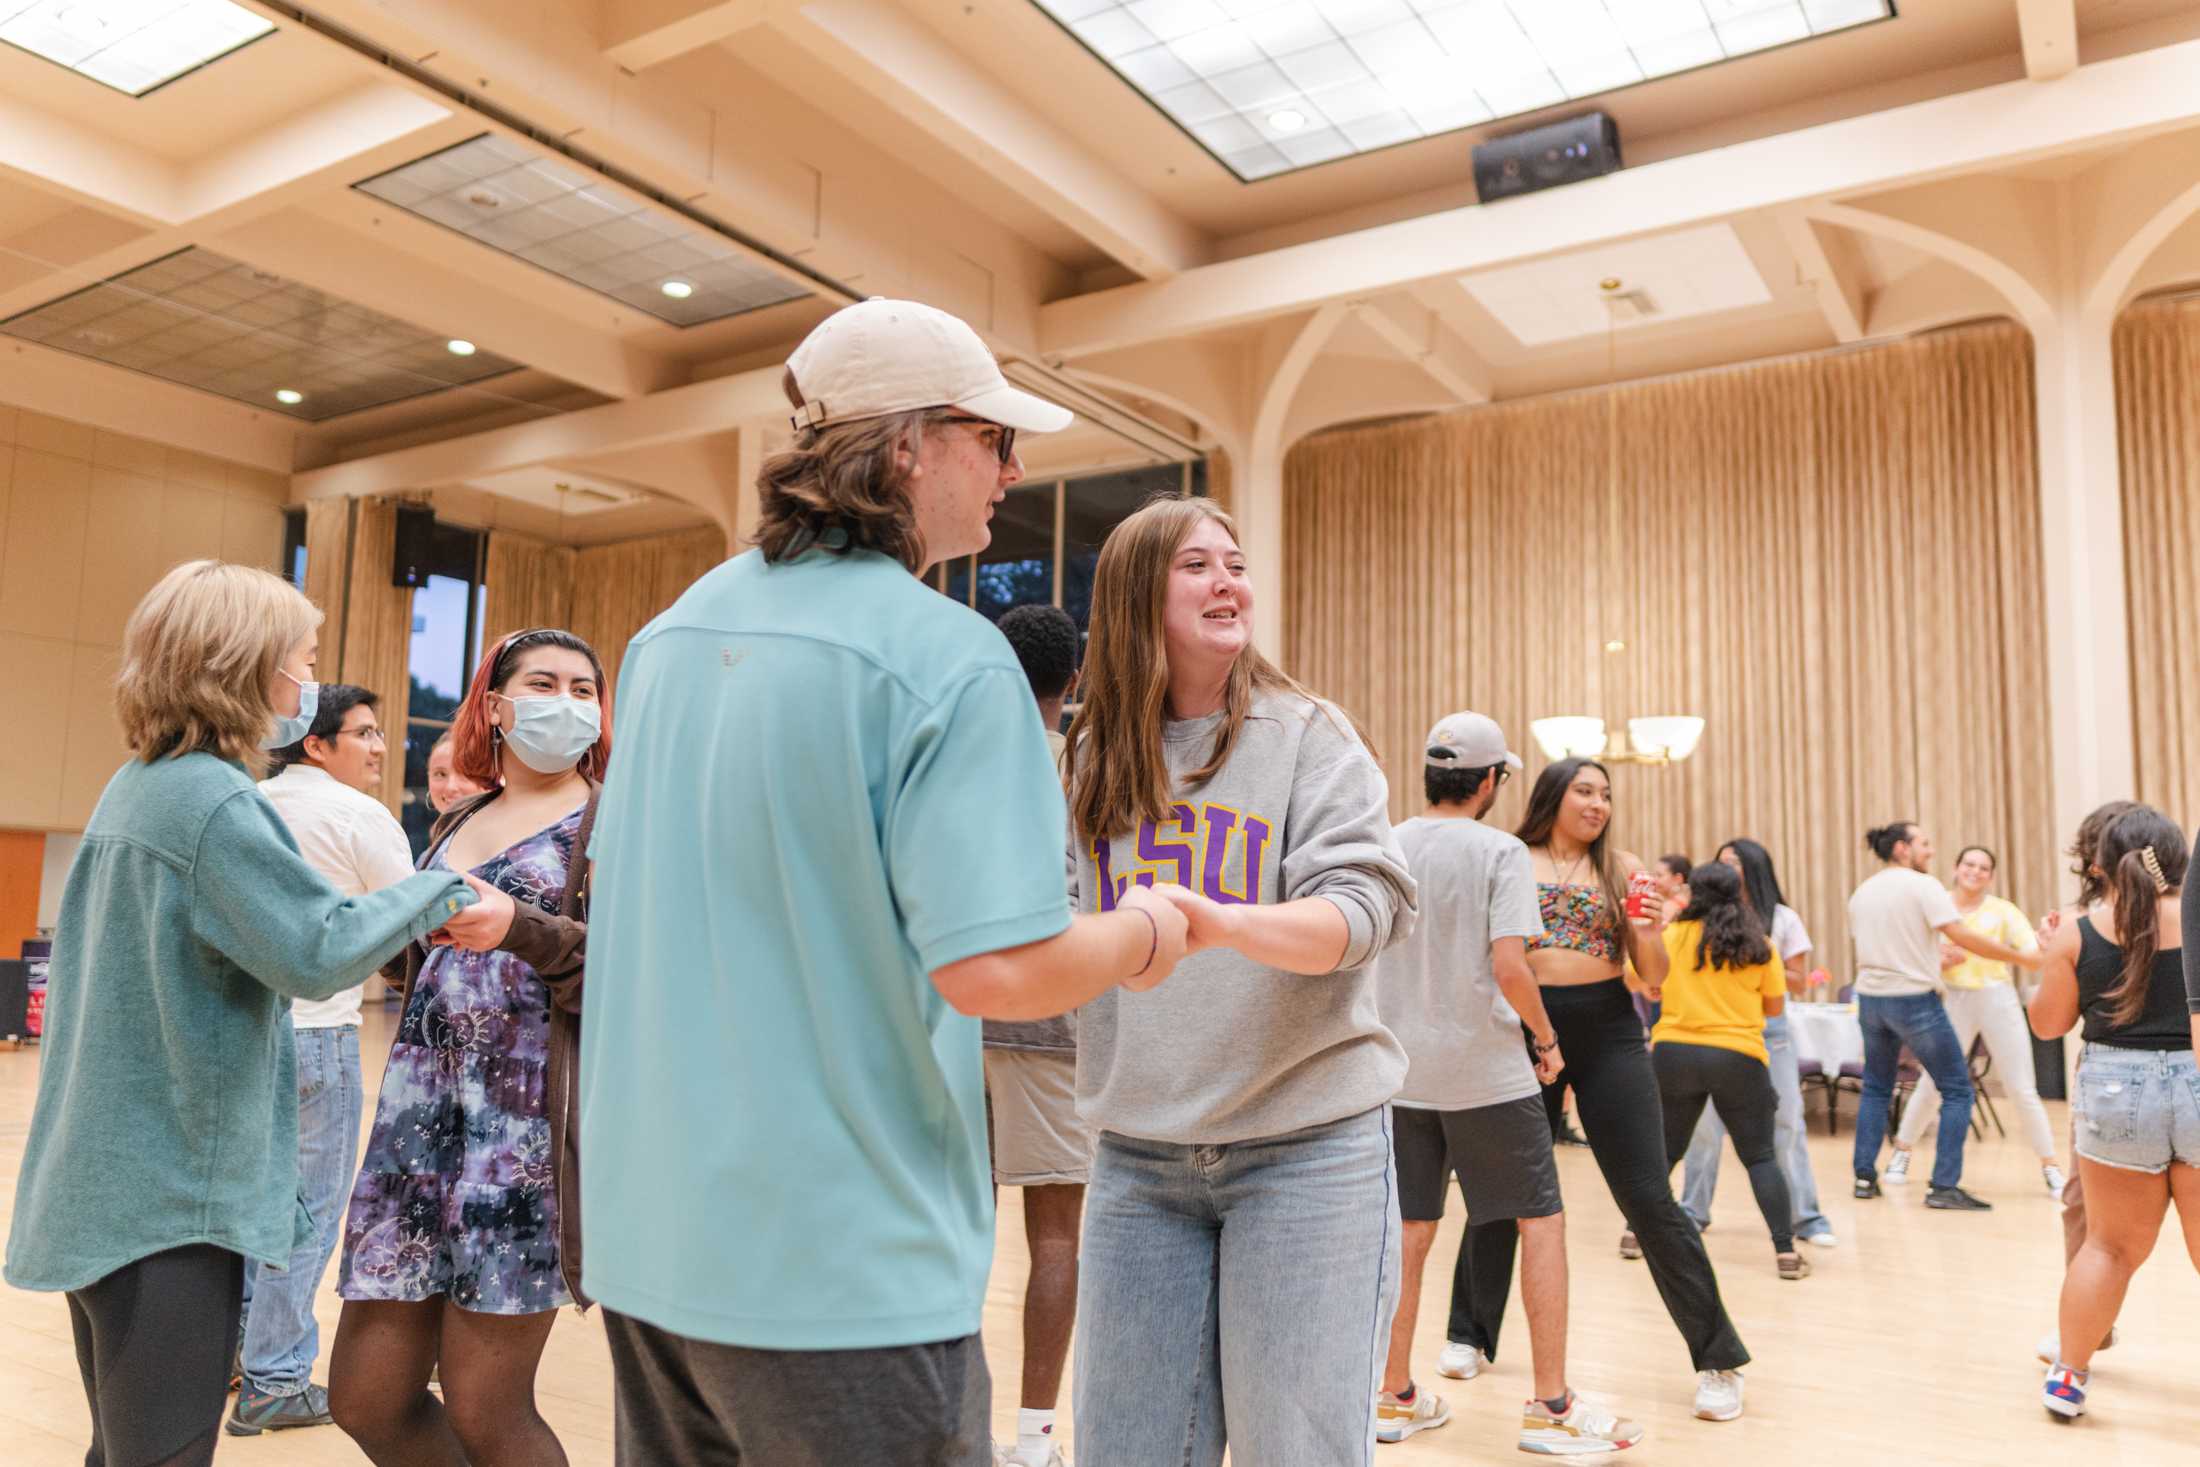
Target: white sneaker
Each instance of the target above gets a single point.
(1826, 1239)
(1582, 1431)
(1395, 1420)
(2056, 1180)
(1897, 1173)
(2049, 1349)
(1050, 1456)
(1461, 1362)
(1718, 1395)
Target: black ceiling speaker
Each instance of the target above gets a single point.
(1545, 157)
(414, 548)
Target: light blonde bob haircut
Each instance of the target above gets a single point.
(198, 657)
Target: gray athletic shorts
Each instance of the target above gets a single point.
(1038, 1141)
(1501, 1152)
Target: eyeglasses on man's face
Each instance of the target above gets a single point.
(367, 734)
(1003, 448)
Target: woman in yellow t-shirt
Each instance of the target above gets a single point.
(1723, 980)
(1982, 1000)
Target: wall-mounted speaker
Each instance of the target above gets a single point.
(414, 550)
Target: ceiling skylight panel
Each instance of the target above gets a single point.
(1753, 25)
(130, 45)
(1297, 73)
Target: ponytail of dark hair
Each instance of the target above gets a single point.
(2144, 854)
(1884, 838)
(1732, 935)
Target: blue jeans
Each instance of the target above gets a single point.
(1790, 1143)
(1270, 1265)
(281, 1337)
(1921, 1022)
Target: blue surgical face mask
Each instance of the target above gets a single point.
(549, 735)
(289, 728)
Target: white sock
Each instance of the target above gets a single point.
(1034, 1433)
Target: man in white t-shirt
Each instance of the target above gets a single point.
(321, 790)
(1459, 996)
(1897, 919)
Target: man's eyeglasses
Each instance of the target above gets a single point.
(1006, 448)
(368, 736)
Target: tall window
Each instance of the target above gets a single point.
(446, 643)
(294, 546)
(1047, 538)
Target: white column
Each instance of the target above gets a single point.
(2088, 647)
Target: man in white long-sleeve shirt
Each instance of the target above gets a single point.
(322, 791)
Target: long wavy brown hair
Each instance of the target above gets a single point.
(842, 487)
(2142, 859)
(1117, 771)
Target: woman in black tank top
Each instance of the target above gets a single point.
(2138, 1104)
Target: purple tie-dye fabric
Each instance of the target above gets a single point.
(455, 1194)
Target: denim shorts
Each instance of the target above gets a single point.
(2138, 1109)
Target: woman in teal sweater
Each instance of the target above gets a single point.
(163, 1150)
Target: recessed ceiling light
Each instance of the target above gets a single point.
(679, 290)
(1366, 74)
(132, 47)
(459, 347)
(1609, 284)
(482, 198)
(289, 396)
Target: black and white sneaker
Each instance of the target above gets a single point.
(1866, 1189)
(1955, 1199)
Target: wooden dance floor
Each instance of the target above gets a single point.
(1912, 1343)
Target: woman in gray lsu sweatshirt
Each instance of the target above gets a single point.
(1241, 1222)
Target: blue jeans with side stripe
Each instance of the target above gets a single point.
(1269, 1264)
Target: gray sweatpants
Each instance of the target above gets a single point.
(690, 1403)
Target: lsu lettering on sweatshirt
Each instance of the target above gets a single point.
(1228, 1049)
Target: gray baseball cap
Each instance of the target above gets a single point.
(1469, 741)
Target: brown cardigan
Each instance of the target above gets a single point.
(556, 948)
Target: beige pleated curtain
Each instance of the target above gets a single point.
(371, 646)
(618, 588)
(602, 593)
(1833, 560)
(526, 583)
(2157, 352)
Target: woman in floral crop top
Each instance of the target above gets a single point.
(1581, 963)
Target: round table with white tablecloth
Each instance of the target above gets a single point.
(1827, 1036)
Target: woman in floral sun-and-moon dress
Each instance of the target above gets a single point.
(454, 1196)
(463, 1236)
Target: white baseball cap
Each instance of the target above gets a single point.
(1470, 741)
(885, 356)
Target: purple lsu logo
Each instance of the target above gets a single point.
(1193, 848)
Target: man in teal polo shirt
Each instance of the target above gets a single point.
(832, 842)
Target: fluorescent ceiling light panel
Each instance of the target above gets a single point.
(1221, 68)
(130, 45)
(201, 320)
(580, 228)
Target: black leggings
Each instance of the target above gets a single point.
(1740, 1088)
(1616, 1100)
(154, 1340)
